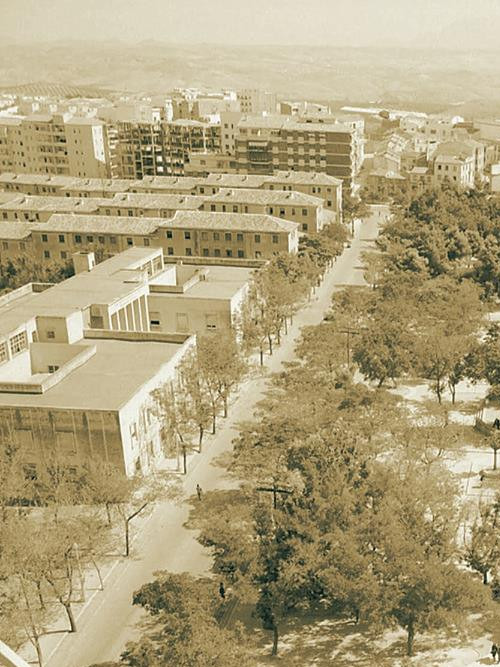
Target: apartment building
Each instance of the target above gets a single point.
(264, 145)
(15, 241)
(61, 186)
(32, 208)
(131, 204)
(307, 211)
(254, 101)
(54, 144)
(78, 364)
(320, 185)
(454, 162)
(136, 149)
(203, 164)
(227, 235)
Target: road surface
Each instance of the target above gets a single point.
(107, 621)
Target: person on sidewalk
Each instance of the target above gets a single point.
(198, 491)
(222, 590)
(494, 651)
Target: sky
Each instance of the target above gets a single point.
(446, 23)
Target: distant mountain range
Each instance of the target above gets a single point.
(468, 81)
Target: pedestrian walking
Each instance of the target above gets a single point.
(198, 491)
(494, 651)
(222, 590)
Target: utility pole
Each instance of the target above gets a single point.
(274, 489)
(349, 333)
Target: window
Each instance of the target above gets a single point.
(146, 242)
(108, 211)
(216, 252)
(101, 239)
(204, 236)
(211, 321)
(282, 211)
(227, 236)
(46, 254)
(18, 343)
(304, 211)
(246, 209)
(257, 238)
(275, 238)
(170, 250)
(3, 352)
(45, 238)
(187, 235)
(216, 236)
(329, 203)
(169, 234)
(154, 319)
(258, 254)
(112, 239)
(53, 368)
(78, 238)
(5, 245)
(130, 241)
(64, 254)
(229, 253)
(305, 227)
(5, 215)
(212, 207)
(241, 253)
(90, 239)
(205, 252)
(239, 237)
(61, 238)
(271, 210)
(235, 208)
(189, 252)
(130, 213)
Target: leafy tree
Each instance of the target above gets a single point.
(482, 552)
(17, 272)
(183, 628)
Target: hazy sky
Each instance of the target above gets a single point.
(463, 23)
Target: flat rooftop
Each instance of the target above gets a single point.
(107, 381)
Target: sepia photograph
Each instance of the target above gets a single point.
(249, 333)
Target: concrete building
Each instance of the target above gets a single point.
(61, 186)
(228, 130)
(495, 178)
(264, 145)
(307, 211)
(254, 101)
(32, 208)
(203, 164)
(211, 234)
(78, 363)
(454, 162)
(185, 137)
(54, 144)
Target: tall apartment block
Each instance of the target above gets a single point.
(267, 144)
(54, 144)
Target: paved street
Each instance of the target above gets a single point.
(106, 623)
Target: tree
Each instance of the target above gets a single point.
(222, 365)
(17, 272)
(196, 397)
(183, 628)
(482, 553)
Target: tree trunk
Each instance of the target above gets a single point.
(36, 643)
(81, 574)
(261, 355)
(356, 615)
(278, 336)
(108, 513)
(224, 402)
(453, 389)
(270, 341)
(71, 617)
(40, 596)
(275, 640)
(438, 389)
(101, 582)
(409, 640)
(200, 439)
(495, 458)
(184, 461)
(485, 577)
(214, 419)
(286, 327)
(127, 539)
